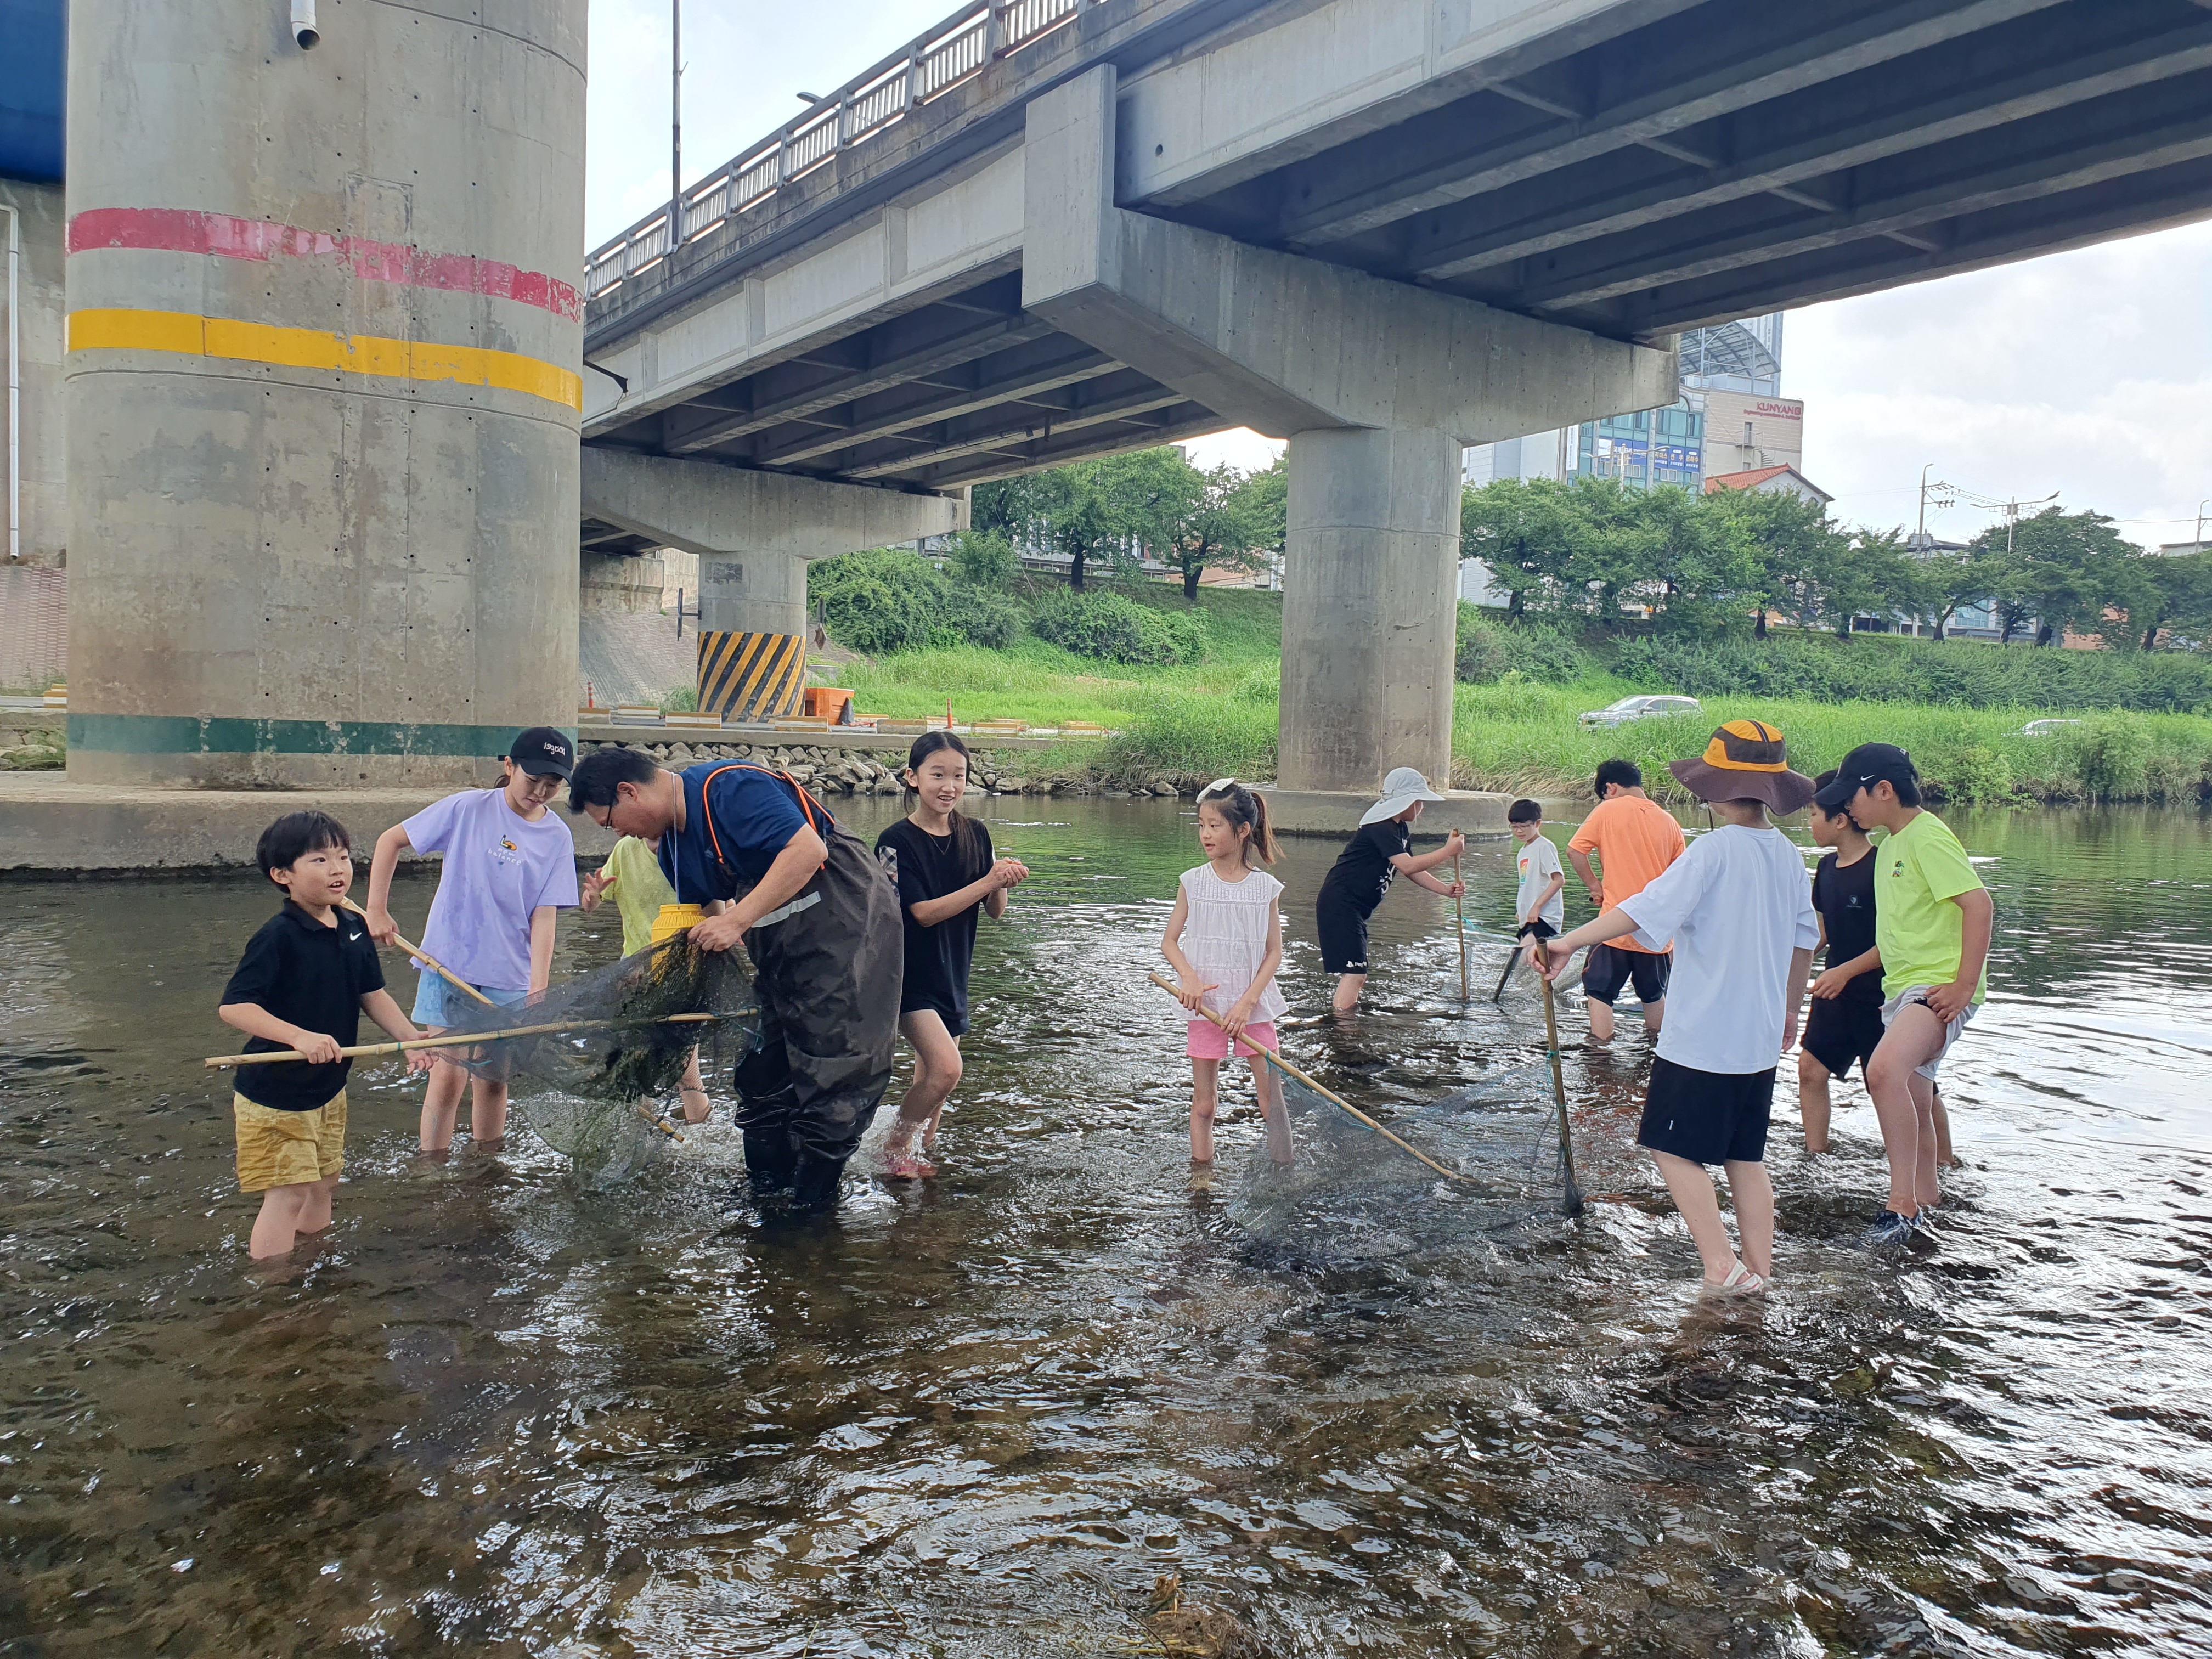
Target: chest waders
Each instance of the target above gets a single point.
(826, 968)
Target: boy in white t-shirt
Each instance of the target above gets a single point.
(1739, 911)
(510, 866)
(1538, 907)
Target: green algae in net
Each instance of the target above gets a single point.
(600, 1085)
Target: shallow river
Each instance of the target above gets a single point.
(500, 1413)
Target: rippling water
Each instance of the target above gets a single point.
(499, 1414)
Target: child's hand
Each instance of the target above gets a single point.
(1830, 985)
(1540, 957)
(1238, 1016)
(320, 1048)
(595, 888)
(1008, 872)
(1454, 890)
(1454, 844)
(1789, 1028)
(421, 1059)
(1190, 991)
(1946, 1002)
(381, 928)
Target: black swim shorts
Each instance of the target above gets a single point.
(1343, 932)
(1708, 1117)
(1838, 1032)
(1610, 968)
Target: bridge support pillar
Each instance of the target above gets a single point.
(755, 533)
(1370, 606)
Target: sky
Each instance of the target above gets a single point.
(2088, 373)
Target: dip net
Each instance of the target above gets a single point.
(596, 1065)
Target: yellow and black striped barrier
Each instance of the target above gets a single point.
(751, 676)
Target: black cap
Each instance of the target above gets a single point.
(1870, 763)
(543, 753)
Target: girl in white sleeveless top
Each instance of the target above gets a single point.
(1225, 941)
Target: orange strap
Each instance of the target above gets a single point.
(807, 805)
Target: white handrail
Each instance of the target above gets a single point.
(925, 68)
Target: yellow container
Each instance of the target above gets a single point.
(676, 919)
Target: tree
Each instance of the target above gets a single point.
(1796, 555)
(1083, 511)
(1204, 518)
(2061, 571)
(1702, 554)
(2175, 596)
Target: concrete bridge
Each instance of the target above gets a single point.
(1379, 228)
(331, 343)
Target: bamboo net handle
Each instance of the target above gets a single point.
(454, 1040)
(425, 956)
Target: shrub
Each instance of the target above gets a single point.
(985, 618)
(680, 700)
(883, 600)
(2110, 756)
(1117, 629)
(984, 558)
(1490, 651)
(1974, 775)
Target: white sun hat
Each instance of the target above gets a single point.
(1400, 789)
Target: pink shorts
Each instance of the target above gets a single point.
(1209, 1041)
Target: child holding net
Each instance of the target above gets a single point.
(1225, 940)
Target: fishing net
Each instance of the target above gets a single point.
(1422, 1176)
(596, 1064)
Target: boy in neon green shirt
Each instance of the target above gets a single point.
(1933, 920)
(633, 871)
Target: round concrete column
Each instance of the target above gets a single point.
(752, 634)
(1370, 607)
(323, 388)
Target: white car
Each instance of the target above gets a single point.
(2043, 728)
(1642, 708)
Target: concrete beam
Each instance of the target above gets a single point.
(716, 511)
(1281, 342)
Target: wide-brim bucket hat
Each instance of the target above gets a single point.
(1400, 789)
(1746, 760)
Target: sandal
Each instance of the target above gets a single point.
(1741, 1281)
(905, 1166)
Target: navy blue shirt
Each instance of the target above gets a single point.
(754, 816)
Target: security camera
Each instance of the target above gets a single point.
(303, 24)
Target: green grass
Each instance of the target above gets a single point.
(1217, 717)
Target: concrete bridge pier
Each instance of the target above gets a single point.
(1376, 384)
(755, 533)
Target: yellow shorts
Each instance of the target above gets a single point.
(285, 1149)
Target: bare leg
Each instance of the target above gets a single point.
(1693, 1194)
(1653, 1012)
(1269, 1089)
(487, 1111)
(1754, 1196)
(315, 1206)
(1348, 987)
(696, 1103)
(1813, 1102)
(277, 1227)
(442, 1100)
(1205, 1092)
(1927, 1187)
(1600, 1020)
(1914, 1037)
(1944, 1156)
(936, 1072)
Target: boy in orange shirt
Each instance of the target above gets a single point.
(1635, 840)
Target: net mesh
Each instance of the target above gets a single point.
(597, 1069)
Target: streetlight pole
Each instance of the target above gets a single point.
(2201, 506)
(675, 123)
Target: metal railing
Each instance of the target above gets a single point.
(925, 68)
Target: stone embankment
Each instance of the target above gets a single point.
(31, 741)
(847, 769)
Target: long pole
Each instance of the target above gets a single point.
(1559, 1096)
(675, 123)
(1459, 906)
(15, 404)
(454, 1040)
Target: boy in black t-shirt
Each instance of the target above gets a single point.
(1380, 848)
(1845, 1023)
(303, 982)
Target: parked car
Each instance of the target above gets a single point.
(1642, 708)
(2043, 728)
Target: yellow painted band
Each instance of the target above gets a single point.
(310, 347)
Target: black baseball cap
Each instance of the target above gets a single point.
(1870, 763)
(543, 753)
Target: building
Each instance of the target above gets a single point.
(1780, 480)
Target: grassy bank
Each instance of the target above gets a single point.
(1217, 717)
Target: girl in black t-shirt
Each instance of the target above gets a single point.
(943, 864)
(1381, 848)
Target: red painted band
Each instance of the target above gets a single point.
(185, 230)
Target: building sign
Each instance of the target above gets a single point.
(1629, 455)
(1744, 430)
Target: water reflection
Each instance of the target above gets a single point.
(982, 1415)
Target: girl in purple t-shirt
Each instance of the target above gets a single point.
(509, 866)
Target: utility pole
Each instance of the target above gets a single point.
(675, 123)
(2201, 506)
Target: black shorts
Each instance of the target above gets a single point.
(1838, 1032)
(1539, 928)
(1610, 968)
(1343, 932)
(1708, 1117)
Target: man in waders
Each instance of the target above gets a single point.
(821, 921)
